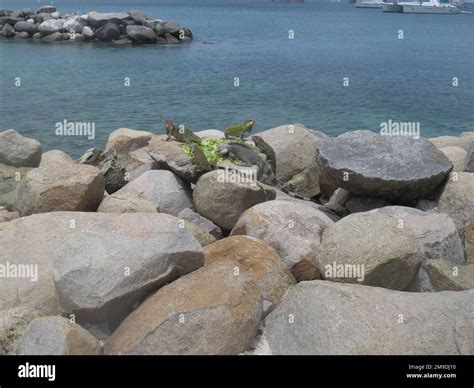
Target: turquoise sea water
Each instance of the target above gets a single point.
(281, 80)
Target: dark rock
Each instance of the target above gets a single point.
(469, 163)
(108, 32)
(55, 37)
(29, 28)
(8, 31)
(22, 35)
(141, 34)
(138, 16)
(398, 169)
(46, 9)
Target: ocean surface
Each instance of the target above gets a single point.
(282, 80)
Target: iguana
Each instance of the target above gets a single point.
(250, 157)
(180, 133)
(267, 150)
(199, 158)
(237, 131)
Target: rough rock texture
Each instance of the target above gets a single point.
(456, 156)
(127, 140)
(70, 187)
(376, 166)
(326, 316)
(19, 151)
(358, 204)
(469, 162)
(10, 179)
(51, 26)
(113, 261)
(199, 233)
(127, 202)
(295, 151)
(141, 34)
(12, 325)
(260, 261)
(55, 159)
(377, 251)
(466, 139)
(56, 336)
(210, 311)
(457, 199)
(223, 201)
(108, 32)
(447, 276)
(195, 218)
(469, 242)
(445, 141)
(166, 190)
(292, 229)
(435, 232)
(98, 19)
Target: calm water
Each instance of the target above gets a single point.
(281, 80)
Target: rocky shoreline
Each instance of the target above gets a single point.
(49, 25)
(140, 249)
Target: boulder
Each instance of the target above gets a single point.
(295, 153)
(79, 38)
(19, 151)
(190, 215)
(46, 9)
(55, 159)
(457, 199)
(127, 202)
(51, 26)
(87, 32)
(125, 140)
(327, 318)
(10, 179)
(456, 156)
(211, 134)
(469, 161)
(292, 229)
(446, 276)
(138, 16)
(376, 166)
(113, 261)
(108, 32)
(354, 250)
(172, 27)
(469, 241)
(98, 19)
(435, 232)
(358, 204)
(210, 311)
(73, 25)
(54, 37)
(169, 155)
(222, 199)
(167, 191)
(71, 187)
(8, 31)
(259, 260)
(13, 322)
(24, 26)
(199, 233)
(444, 141)
(57, 336)
(466, 139)
(141, 34)
(22, 35)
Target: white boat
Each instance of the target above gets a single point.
(396, 6)
(431, 6)
(369, 4)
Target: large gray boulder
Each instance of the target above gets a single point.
(55, 159)
(169, 193)
(10, 179)
(222, 199)
(190, 215)
(295, 153)
(46, 9)
(51, 26)
(457, 199)
(71, 187)
(24, 26)
(13, 322)
(113, 261)
(327, 318)
(212, 311)
(292, 229)
(370, 249)
(469, 162)
(98, 19)
(435, 233)
(58, 336)
(8, 31)
(447, 276)
(141, 34)
(127, 202)
(456, 156)
(108, 32)
(376, 166)
(19, 151)
(126, 140)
